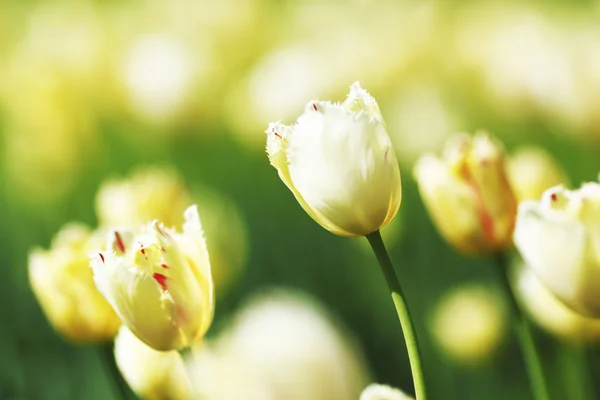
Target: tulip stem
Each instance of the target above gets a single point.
(575, 371)
(399, 300)
(524, 335)
(108, 360)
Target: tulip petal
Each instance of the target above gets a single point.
(556, 247)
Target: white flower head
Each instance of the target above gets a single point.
(559, 239)
(339, 163)
(377, 391)
(159, 282)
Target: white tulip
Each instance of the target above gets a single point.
(559, 239)
(280, 346)
(339, 163)
(376, 391)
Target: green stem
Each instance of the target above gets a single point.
(108, 360)
(524, 335)
(398, 298)
(575, 371)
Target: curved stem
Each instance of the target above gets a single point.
(524, 334)
(398, 298)
(108, 360)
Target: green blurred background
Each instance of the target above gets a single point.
(89, 90)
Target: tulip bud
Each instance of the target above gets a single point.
(158, 193)
(64, 285)
(551, 314)
(559, 239)
(531, 171)
(148, 193)
(339, 163)
(151, 374)
(469, 324)
(159, 282)
(468, 195)
(376, 391)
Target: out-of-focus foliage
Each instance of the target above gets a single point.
(92, 90)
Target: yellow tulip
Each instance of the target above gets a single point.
(154, 192)
(151, 374)
(159, 282)
(468, 195)
(63, 283)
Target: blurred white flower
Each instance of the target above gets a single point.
(158, 73)
(419, 120)
(282, 345)
(376, 391)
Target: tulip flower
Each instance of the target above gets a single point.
(383, 392)
(559, 239)
(159, 282)
(531, 171)
(64, 285)
(281, 345)
(153, 192)
(151, 374)
(468, 195)
(147, 193)
(339, 163)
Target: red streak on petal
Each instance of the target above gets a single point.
(143, 251)
(161, 280)
(165, 266)
(163, 250)
(386, 154)
(120, 243)
(553, 197)
(101, 257)
(485, 218)
(278, 135)
(315, 107)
